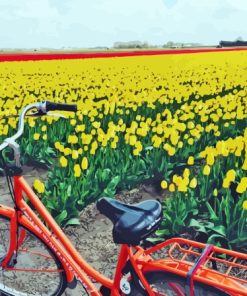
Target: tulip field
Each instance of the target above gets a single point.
(176, 121)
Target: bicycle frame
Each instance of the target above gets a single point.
(77, 268)
(74, 265)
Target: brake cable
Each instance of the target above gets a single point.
(12, 194)
(9, 180)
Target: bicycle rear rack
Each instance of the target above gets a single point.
(203, 263)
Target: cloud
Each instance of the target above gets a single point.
(77, 23)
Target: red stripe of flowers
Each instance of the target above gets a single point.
(5, 57)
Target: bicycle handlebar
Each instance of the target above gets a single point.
(62, 107)
(43, 108)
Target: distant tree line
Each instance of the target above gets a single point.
(139, 44)
(171, 44)
(232, 43)
(131, 44)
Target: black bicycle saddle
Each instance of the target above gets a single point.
(131, 223)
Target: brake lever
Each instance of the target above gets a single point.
(36, 114)
(55, 114)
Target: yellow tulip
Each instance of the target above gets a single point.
(75, 154)
(186, 173)
(31, 123)
(132, 140)
(39, 186)
(193, 183)
(63, 161)
(242, 185)
(163, 184)
(244, 166)
(171, 151)
(226, 183)
(77, 170)
(84, 163)
(230, 175)
(190, 141)
(96, 124)
(136, 152)
(113, 145)
(73, 122)
(44, 128)
(206, 170)
(72, 139)
(171, 187)
(36, 136)
(210, 159)
(67, 151)
(190, 160)
(215, 192)
(57, 145)
(182, 187)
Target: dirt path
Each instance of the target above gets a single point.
(93, 238)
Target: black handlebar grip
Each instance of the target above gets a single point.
(50, 106)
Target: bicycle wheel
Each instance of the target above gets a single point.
(37, 270)
(168, 284)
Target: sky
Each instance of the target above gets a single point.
(90, 23)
